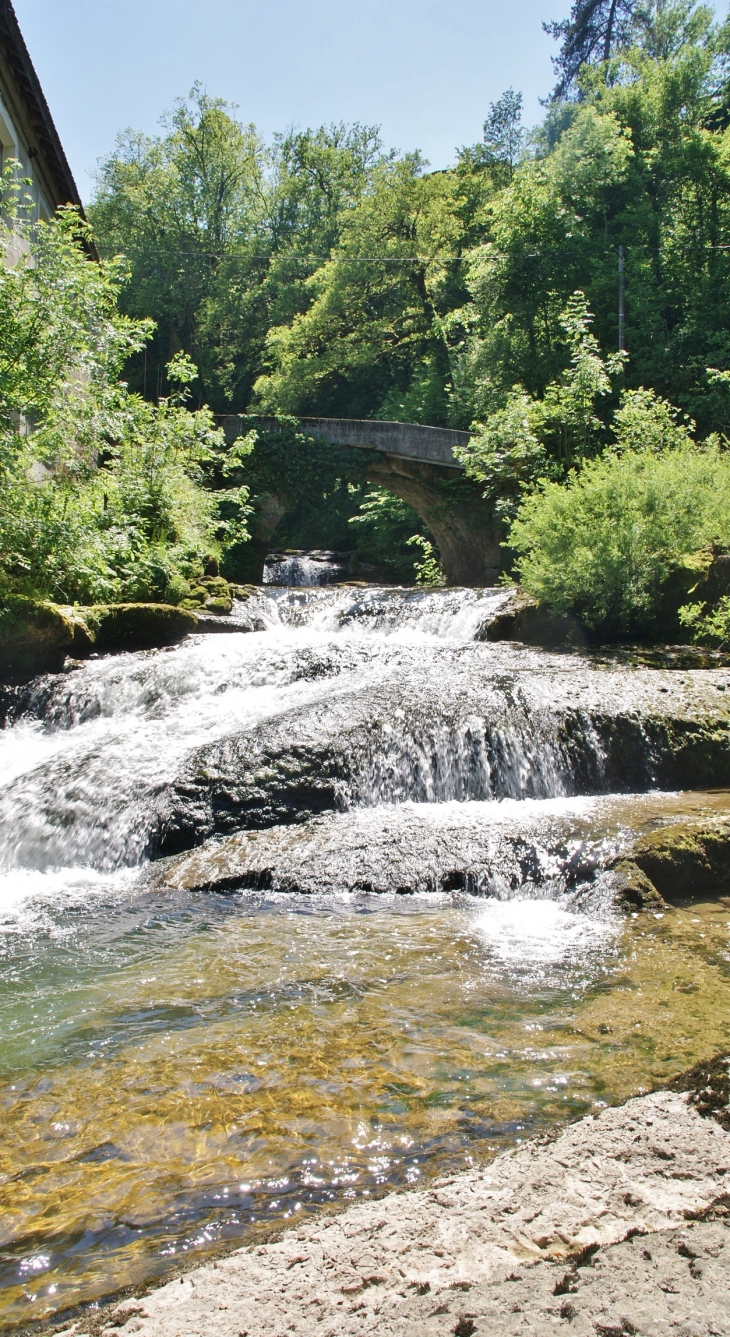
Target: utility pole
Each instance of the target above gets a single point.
(621, 302)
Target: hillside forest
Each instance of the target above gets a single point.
(324, 273)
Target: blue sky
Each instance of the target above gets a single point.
(425, 70)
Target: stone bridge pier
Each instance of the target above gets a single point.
(417, 464)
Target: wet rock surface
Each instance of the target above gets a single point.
(523, 619)
(456, 730)
(35, 637)
(545, 848)
(617, 1226)
(686, 859)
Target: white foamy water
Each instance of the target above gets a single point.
(533, 935)
(76, 770)
(409, 615)
(87, 765)
(302, 569)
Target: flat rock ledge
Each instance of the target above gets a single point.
(618, 1226)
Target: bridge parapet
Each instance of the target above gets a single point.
(413, 441)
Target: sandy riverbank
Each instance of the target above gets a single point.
(620, 1225)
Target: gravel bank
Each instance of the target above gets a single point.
(619, 1225)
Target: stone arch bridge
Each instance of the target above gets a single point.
(412, 461)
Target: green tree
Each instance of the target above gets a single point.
(633, 164)
(102, 494)
(504, 134)
(222, 233)
(592, 33)
(176, 205)
(371, 342)
(529, 439)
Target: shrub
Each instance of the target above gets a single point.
(708, 628)
(603, 544)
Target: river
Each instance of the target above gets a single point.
(380, 945)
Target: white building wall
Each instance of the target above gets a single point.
(12, 146)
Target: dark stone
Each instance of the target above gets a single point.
(633, 890)
(463, 736)
(685, 860)
(523, 619)
(208, 622)
(137, 626)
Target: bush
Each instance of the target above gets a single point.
(603, 545)
(708, 628)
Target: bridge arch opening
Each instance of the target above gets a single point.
(414, 462)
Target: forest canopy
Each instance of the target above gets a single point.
(324, 274)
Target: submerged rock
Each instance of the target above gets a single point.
(480, 848)
(580, 848)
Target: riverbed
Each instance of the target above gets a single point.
(187, 1064)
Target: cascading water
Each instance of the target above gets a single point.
(387, 947)
(302, 568)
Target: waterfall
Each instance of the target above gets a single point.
(348, 698)
(303, 568)
(386, 941)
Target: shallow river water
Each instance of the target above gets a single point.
(180, 1069)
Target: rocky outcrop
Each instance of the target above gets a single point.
(136, 626)
(484, 849)
(679, 861)
(36, 637)
(632, 889)
(522, 618)
(616, 1226)
(457, 731)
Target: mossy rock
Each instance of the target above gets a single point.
(634, 891)
(216, 587)
(686, 859)
(36, 637)
(211, 594)
(138, 626)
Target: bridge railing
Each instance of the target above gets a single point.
(427, 445)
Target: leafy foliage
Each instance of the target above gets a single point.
(530, 439)
(322, 275)
(604, 544)
(594, 30)
(385, 537)
(103, 499)
(711, 627)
